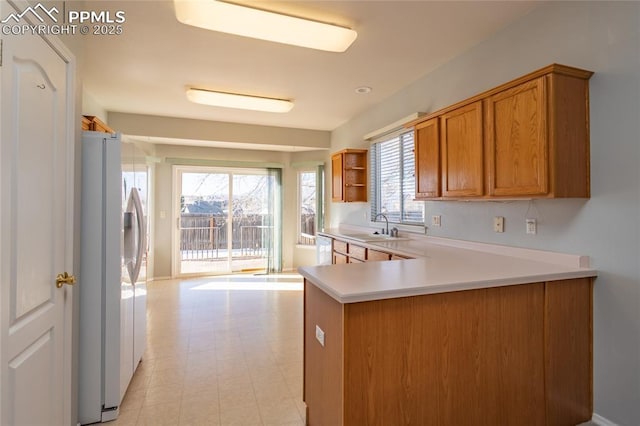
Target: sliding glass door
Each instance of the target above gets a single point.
(228, 220)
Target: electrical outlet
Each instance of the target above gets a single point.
(498, 224)
(320, 335)
(532, 226)
(435, 220)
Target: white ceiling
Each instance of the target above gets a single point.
(147, 69)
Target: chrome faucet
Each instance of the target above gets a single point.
(386, 220)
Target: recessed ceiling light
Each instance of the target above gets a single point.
(233, 100)
(261, 24)
(363, 90)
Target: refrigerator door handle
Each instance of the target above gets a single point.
(136, 204)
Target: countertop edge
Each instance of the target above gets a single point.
(443, 288)
(535, 265)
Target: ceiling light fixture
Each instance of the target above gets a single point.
(363, 90)
(233, 100)
(261, 24)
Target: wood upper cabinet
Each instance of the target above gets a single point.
(336, 177)
(526, 138)
(538, 138)
(427, 157)
(462, 151)
(86, 123)
(91, 122)
(349, 175)
(517, 143)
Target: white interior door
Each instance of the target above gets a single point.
(36, 226)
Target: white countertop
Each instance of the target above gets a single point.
(441, 265)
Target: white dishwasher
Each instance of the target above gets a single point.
(323, 250)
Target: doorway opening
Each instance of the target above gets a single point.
(228, 220)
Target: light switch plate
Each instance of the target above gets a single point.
(435, 220)
(320, 335)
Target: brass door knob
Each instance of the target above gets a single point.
(65, 278)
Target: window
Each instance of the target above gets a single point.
(307, 196)
(393, 183)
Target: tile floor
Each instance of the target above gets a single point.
(220, 351)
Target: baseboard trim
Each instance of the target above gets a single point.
(159, 278)
(601, 421)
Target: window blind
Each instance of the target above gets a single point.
(393, 180)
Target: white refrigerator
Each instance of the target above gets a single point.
(112, 282)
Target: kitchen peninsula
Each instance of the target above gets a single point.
(462, 334)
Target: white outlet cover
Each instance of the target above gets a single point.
(531, 226)
(498, 224)
(320, 335)
(436, 220)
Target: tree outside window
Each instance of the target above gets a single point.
(307, 196)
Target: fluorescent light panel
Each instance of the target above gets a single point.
(248, 22)
(232, 100)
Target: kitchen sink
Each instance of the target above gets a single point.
(368, 238)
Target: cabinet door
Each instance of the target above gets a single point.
(357, 252)
(375, 256)
(427, 158)
(339, 258)
(462, 151)
(336, 178)
(398, 257)
(517, 140)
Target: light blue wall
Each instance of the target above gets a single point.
(603, 37)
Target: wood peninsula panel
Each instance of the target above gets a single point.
(446, 359)
(462, 151)
(323, 369)
(569, 351)
(427, 159)
(514, 337)
(513, 355)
